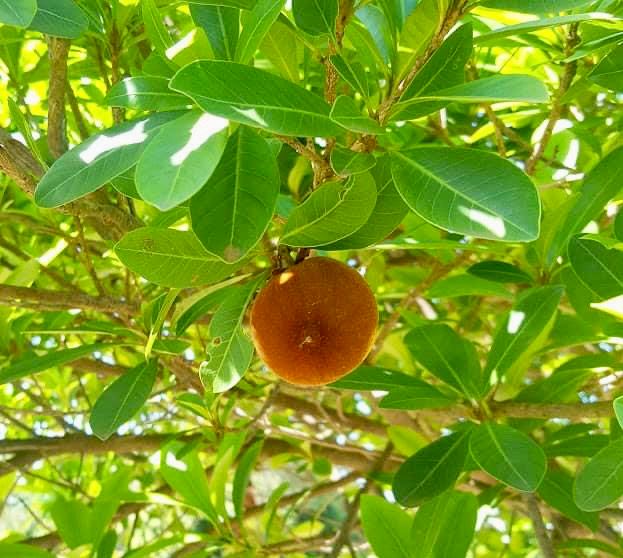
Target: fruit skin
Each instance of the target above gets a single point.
(314, 322)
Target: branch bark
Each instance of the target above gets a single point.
(58, 52)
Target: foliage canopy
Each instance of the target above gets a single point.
(158, 158)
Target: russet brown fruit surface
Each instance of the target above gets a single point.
(314, 322)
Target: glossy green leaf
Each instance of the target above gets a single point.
(122, 399)
(521, 327)
(242, 4)
(557, 491)
(387, 527)
(316, 17)
(268, 102)
(617, 404)
(59, 18)
(17, 12)
(377, 378)
(16, 550)
(500, 272)
(180, 159)
(599, 187)
(256, 25)
(352, 73)
(508, 455)
(99, 159)
(452, 512)
(73, 521)
(413, 398)
(280, 46)
(431, 470)
(170, 258)
(536, 25)
(232, 211)
(514, 89)
(145, 93)
(332, 212)
(154, 26)
(449, 357)
(243, 476)
(445, 68)
(230, 351)
(467, 285)
(536, 6)
(185, 474)
(600, 482)
(469, 192)
(618, 226)
(347, 114)
(420, 25)
(560, 386)
(388, 212)
(600, 269)
(31, 364)
(346, 162)
(222, 27)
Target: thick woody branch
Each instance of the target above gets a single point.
(44, 299)
(58, 52)
(571, 411)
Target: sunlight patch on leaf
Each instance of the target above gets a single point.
(514, 321)
(175, 463)
(492, 223)
(201, 132)
(104, 143)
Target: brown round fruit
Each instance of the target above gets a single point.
(314, 322)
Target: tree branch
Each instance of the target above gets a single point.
(44, 299)
(542, 537)
(58, 52)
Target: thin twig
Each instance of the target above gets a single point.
(542, 537)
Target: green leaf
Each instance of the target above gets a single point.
(122, 399)
(618, 226)
(469, 192)
(511, 88)
(97, 160)
(387, 527)
(222, 27)
(348, 115)
(536, 25)
(316, 17)
(521, 327)
(609, 72)
(557, 491)
(447, 356)
(32, 364)
(617, 404)
(561, 386)
(352, 73)
(15, 550)
(346, 162)
(18, 13)
(185, 474)
(180, 159)
(170, 258)
(59, 18)
(431, 470)
(73, 521)
(600, 482)
(219, 480)
(508, 455)
(267, 101)
(600, 269)
(500, 272)
(332, 212)
(536, 6)
(375, 378)
(419, 27)
(413, 398)
(154, 27)
(242, 4)
(230, 351)
(445, 68)
(243, 476)
(256, 25)
(451, 512)
(280, 46)
(145, 93)
(466, 285)
(232, 211)
(388, 212)
(599, 187)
